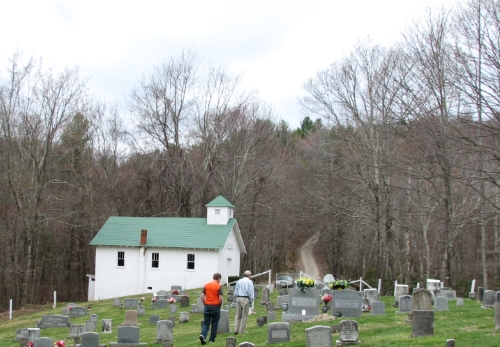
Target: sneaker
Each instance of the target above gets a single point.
(202, 340)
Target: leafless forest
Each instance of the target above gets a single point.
(396, 162)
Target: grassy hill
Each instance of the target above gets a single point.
(469, 325)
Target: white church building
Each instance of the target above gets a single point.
(140, 255)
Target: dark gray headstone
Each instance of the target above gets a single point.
(93, 317)
(348, 331)
(131, 303)
(450, 343)
(271, 316)
(348, 303)
(378, 308)
(172, 319)
(319, 336)
(278, 332)
(223, 326)
(54, 321)
(23, 342)
(33, 333)
(90, 339)
(141, 311)
(261, 321)
(480, 294)
(153, 319)
(421, 300)
(405, 302)
(107, 326)
(162, 303)
(282, 299)
(270, 306)
(164, 331)
(449, 293)
(184, 301)
(301, 305)
(76, 330)
(489, 299)
(231, 341)
(441, 303)
(423, 323)
(173, 308)
(44, 342)
(255, 293)
(128, 334)
(78, 311)
(21, 334)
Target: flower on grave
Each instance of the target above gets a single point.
(142, 299)
(70, 308)
(153, 300)
(304, 283)
(175, 292)
(326, 299)
(30, 344)
(339, 284)
(89, 308)
(60, 343)
(172, 300)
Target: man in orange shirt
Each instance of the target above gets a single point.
(212, 299)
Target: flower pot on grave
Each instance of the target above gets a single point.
(284, 306)
(324, 309)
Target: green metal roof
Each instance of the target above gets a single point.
(163, 232)
(219, 201)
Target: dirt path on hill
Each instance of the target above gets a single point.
(307, 262)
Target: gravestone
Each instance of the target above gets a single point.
(302, 306)
(162, 303)
(261, 321)
(497, 311)
(90, 325)
(164, 331)
(433, 286)
(90, 339)
(271, 316)
(450, 343)
(449, 293)
(70, 305)
(172, 319)
(348, 333)
(283, 292)
(423, 323)
(184, 301)
(421, 300)
(131, 303)
(107, 326)
(173, 308)
(347, 303)
(278, 332)
(117, 302)
(21, 334)
(44, 342)
(223, 326)
(282, 299)
(93, 317)
(405, 302)
(460, 302)
(141, 311)
(231, 341)
(153, 319)
(399, 290)
(319, 336)
(130, 317)
(246, 344)
(265, 296)
(255, 293)
(372, 295)
(54, 321)
(176, 287)
(440, 303)
(78, 311)
(75, 330)
(33, 333)
(184, 317)
(230, 297)
(127, 335)
(278, 286)
(378, 308)
(200, 305)
(489, 299)
(480, 294)
(194, 308)
(270, 306)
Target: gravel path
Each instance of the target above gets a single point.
(307, 260)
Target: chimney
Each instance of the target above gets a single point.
(144, 236)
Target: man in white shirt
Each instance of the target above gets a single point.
(244, 294)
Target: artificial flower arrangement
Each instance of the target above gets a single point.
(175, 292)
(60, 343)
(70, 308)
(88, 307)
(172, 300)
(339, 284)
(30, 344)
(304, 283)
(326, 299)
(153, 300)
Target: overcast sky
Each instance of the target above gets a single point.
(276, 45)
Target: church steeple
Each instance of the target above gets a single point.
(219, 211)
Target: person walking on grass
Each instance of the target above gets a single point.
(211, 296)
(244, 294)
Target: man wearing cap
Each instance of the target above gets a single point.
(243, 292)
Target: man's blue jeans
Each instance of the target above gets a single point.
(211, 316)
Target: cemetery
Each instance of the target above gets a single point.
(422, 317)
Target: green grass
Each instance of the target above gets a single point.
(469, 325)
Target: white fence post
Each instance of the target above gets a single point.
(10, 309)
(379, 285)
(55, 299)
